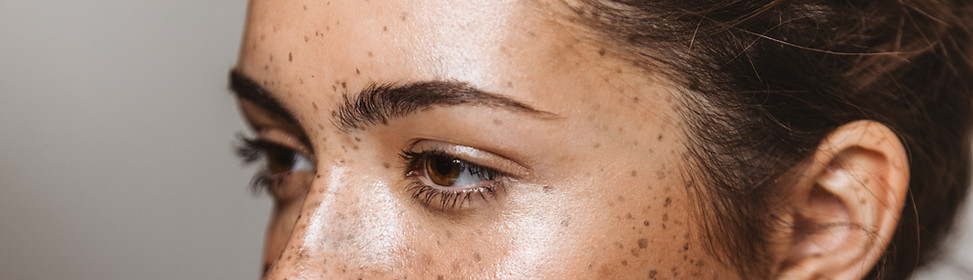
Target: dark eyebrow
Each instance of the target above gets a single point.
(247, 88)
(380, 103)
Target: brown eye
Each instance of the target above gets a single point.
(443, 171)
(282, 160)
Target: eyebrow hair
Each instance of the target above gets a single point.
(380, 103)
(246, 88)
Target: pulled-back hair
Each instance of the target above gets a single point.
(766, 81)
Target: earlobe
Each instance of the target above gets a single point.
(844, 207)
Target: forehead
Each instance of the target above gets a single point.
(314, 51)
(404, 40)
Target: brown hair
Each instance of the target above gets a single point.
(766, 81)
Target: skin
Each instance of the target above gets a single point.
(589, 193)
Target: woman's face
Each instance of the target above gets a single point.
(459, 139)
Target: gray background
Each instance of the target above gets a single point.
(115, 144)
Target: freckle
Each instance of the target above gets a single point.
(315, 105)
(357, 71)
(318, 176)
(564, 223)
(685, 247)
(321, 127)
(354, 147)
(646, 223)
(665, 217)
(635, 99)
(369, 54)
(601, 52)
(476, 257)
(266, 67)
(659, 137)
(624, 262)
(634, 173)
(271, 58)
(668, 201)
(629, 216)
(404, 16)
(497, 122)
(685, 257)
(652, 274)
(596, 145)
(300, 80)
(643, 243)
(531, 34)
(290, 57)
(305, 7)
(334, 88)
(440, 277)
(344, 85)
(387, 165)
(620, 198)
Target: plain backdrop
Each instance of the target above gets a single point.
(116, 135)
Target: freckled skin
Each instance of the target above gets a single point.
(596, 204)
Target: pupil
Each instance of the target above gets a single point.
(443, 170)
(445, 167)
(280, 160)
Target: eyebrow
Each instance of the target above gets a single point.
(381, 103)
(246, 88)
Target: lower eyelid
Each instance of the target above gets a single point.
(289, 185)
(456, 199)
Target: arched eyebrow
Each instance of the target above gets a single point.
(246, 88)
(380, 103)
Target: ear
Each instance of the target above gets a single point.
(845, 204)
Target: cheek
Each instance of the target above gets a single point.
(280, 227)
(609, 216)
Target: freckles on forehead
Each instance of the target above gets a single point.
(379, 40)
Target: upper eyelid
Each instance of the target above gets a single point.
(283, 139)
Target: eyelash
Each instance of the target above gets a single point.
(450, 199)
(252, 150)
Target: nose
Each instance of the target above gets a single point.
(304, 252)
(347, 229)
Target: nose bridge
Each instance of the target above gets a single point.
(310, 244)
